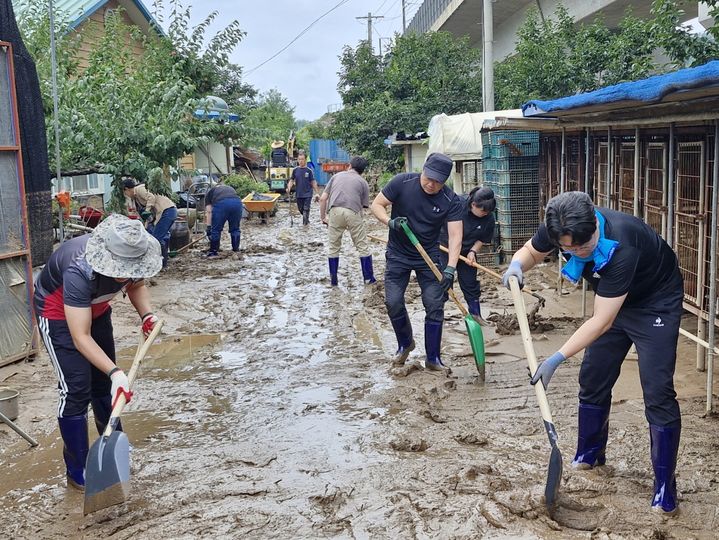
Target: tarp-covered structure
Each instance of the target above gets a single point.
(458, 135)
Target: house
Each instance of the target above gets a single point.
(414, 148)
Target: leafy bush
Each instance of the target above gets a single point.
(384, 179)
(244, 185)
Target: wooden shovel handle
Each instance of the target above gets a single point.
(529, 346)
(139, 356)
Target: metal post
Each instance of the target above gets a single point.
(701, 351)
(713, 274)
(670, 189)
(56, 119)
(404, 16)
(562, 188)
(610, 167)
(488, 56)
(587, 149)
(637, 159)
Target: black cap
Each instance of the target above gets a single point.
(438, 167)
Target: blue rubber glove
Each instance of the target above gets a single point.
(396, 223)
(547, 368)
(515, 269)
(447, 278)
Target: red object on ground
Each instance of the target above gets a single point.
(333, 167)
(91, 216)
(63, 199)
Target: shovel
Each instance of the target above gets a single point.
(107, 472)
(554, 474)
(474, 330)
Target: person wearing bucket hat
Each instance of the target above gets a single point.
(426, 203)
(72, 305)
(158, 211)
(279, 157)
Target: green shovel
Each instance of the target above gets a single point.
(474, 330)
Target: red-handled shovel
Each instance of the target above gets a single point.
(554, 474)
(107, 472)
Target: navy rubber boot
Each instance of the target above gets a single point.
(74, 436)
(334, 266)
(405, 343)
(367, 270)
(214, 249)
(235, 237)
(432, 343)
(475, 312)
(102, 408)
(592, 435)
(665, 446)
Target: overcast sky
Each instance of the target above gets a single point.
(305, 73)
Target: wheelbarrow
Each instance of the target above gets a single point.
(262, 204)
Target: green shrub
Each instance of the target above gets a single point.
(384, 179)
(244, 185)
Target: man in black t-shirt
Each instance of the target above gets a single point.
(222, 205)
(304, 179)
(426, 203)
(478, 229)
(639, 293)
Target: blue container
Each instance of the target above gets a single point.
(323, 151)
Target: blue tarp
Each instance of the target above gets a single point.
(203, 114)
(648, 90)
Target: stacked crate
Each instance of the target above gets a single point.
(510, 166)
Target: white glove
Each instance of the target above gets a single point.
(120, 385)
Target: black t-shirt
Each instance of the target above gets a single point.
(303, 177)
(425, 213)
(475, 228)
(643, 265)
(220, 192)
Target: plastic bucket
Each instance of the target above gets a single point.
(8, 402)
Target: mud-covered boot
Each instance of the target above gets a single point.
(432, 344)
(74, 436)
(334, 263)
(592, 434)
(665, 446)
(235, 237)
(306, 216)
(214, 249)
(474, 311)
(405, 343)
(101, 409)
(367, 270)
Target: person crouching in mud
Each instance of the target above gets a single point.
(639, 292)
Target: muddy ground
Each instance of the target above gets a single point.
(269, 410)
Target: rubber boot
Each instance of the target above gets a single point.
(306, 216)
(432, 343)
(367, 271)
(665, 446)
(592, 435)
(165, 249)
(235, 237)
(74, 436)
(405, 342)
(474, 311)
(101, 408)
(334, 266)
(214, 249)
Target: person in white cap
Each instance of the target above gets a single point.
(72, 306)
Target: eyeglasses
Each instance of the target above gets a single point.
(573, 248)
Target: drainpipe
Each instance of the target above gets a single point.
(610, 167)
(562, 188)
(670, 190)
(637, 159)
(712, 275)
(488, 57)
(587, 189)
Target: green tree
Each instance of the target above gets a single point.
(271, 118)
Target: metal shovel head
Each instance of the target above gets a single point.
(554, 474)
(107, 473)
(476, 340)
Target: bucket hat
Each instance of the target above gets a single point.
(120, 247)
(277, 144)
(437, 167)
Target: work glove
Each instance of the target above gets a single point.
(120, 385)
(396, 223)
(546, 369)
(208, 231)
(146, 216)
(148, 324)
(447, 278)
(515, 269)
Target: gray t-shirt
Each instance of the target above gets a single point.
(348, 189)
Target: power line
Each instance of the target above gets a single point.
(298, 36)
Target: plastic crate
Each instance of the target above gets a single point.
(518, 229)
(511, 163)
(509, 149)
(516, 197)
(516, 176)
(489, 259)
(522, 217)
(510, 136)
(513, 243)
(489, 177)
(521, 203)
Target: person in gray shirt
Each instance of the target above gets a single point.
(341, 204)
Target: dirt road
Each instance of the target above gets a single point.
(291, 424)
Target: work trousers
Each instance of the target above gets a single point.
(654, 330)
(341, 220)
(79, 382)
(466, 276)
(396, 278)
(304, 204)
(161, 230)
(230, 211)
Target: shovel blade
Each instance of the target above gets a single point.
(554, 472)
(476, 340)
(107, 473)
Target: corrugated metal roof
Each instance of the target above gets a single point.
(79, 10)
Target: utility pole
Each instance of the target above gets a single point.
(369, 18)
(488, 56)
(404, 17)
